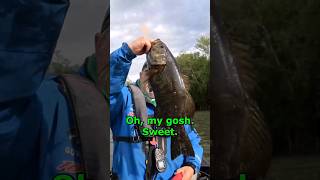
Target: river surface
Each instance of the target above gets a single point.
(201, 121)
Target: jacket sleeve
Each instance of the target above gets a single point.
(120, 63)
(198, 150)
(29, 34)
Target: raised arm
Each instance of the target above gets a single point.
(120, 63)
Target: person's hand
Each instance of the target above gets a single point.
(140, 46)
(187, 172)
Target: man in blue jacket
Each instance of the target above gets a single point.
(129, 158)
(37, 131)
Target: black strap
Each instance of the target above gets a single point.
(132, 139)
(90, 113)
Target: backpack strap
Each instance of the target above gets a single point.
(132, 139)
(90, 114)
(139, 105)
(140, 111)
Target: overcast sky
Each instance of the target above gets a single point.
(83, 20)
(178, 23)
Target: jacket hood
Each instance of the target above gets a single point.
(28, 36)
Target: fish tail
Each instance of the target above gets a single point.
(181, 144)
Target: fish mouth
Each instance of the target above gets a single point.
(157, 56)
(156, 60)
(157, 65)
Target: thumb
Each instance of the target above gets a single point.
(179, 171)
(147, 46)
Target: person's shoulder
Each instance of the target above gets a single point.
(50, 89)
(125, 91)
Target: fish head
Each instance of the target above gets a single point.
(157, 56)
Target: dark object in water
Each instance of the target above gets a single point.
(173, 98)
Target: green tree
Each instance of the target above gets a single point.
(203, 45)
(195, 66)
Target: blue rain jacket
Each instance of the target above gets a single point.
(129, 158)
(37, 139)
